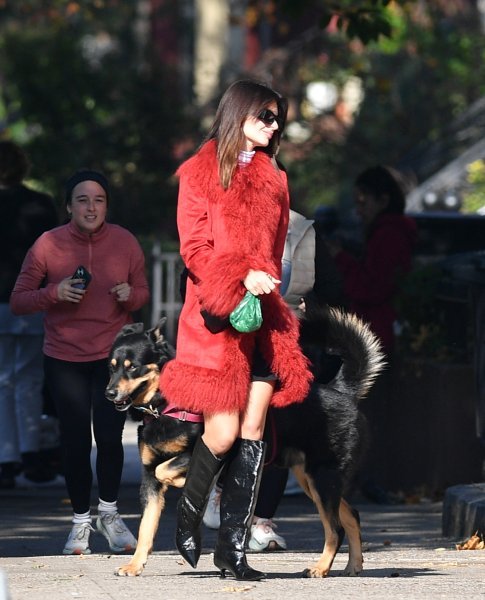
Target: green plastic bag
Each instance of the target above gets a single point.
(247, 315)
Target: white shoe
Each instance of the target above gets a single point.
(212, 514)
(119, 537)
(264, 537)
(78, 540)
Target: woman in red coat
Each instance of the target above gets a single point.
(371, 283)
(232, 218)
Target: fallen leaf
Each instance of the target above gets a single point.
(476, 542)
(235, 589)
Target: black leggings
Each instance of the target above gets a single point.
(273, 483)
(77, 389)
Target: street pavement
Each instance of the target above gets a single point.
(405, 555)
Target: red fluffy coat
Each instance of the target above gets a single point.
(224, 234)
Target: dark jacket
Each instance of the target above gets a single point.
(26, 214)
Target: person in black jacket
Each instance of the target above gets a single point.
(26, 214)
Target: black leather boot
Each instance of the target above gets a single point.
(238, 500)
(203, 470)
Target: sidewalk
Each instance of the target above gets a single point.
(405, 555)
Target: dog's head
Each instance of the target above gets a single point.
(135, 361)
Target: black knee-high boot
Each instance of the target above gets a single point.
(239, 494)
(203, 470)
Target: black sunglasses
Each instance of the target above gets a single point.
(268, 117)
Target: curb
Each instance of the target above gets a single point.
(464, 511)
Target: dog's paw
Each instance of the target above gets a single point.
(315, 573)
(130, 570)
(352, 571)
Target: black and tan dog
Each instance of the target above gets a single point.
(322, 439)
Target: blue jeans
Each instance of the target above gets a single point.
(21, 399)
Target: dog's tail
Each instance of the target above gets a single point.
(345, 335)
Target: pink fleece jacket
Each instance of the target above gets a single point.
(85, 331)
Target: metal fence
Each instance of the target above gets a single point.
(166, 270)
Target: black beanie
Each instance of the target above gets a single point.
(86, 175)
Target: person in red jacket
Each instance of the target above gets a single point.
(232, 217)
(371, 283)
(83, 314)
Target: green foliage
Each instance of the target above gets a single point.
(414, 86)
(365, 20)
(314, 182)
(474, 198)
(80, 91)
(79, 88)
(414, 83)
(421, 320)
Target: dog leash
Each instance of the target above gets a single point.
(171, 411)
(182, 415)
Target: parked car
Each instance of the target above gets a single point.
(441, 234)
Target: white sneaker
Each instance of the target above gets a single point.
(119, 537)
(212, 514)
(78, 540)
(264, 537)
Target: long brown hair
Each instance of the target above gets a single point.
(242, 99)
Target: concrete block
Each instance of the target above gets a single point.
(464, 511)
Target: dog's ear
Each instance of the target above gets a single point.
(129, 329)
(156, 336)
(161, 323)
(155, 333)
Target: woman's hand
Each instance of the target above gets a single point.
(66, 292)
(121, 291)
(259, 282)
